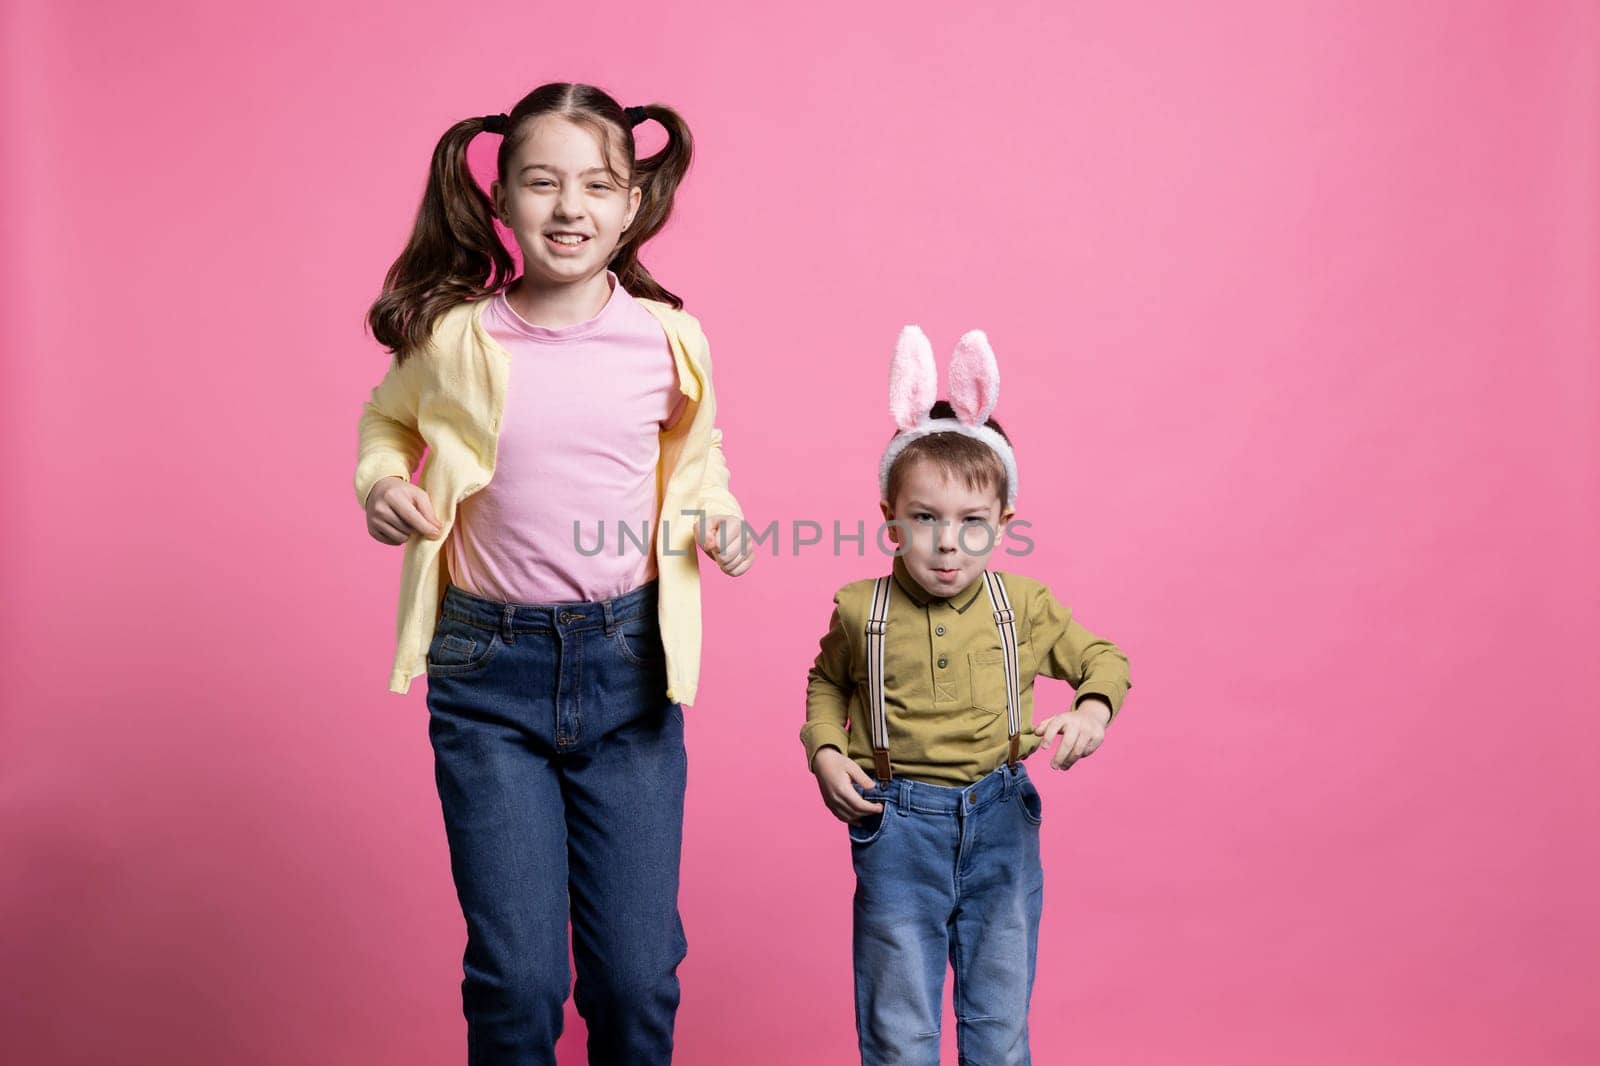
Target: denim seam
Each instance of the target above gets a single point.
(577, 697)
(564, 740)
(958, 993)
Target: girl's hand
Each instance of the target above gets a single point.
(1082, 732)
(397, 510)
(837, 778)
(734, 556)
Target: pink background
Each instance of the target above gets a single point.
(1297, 310)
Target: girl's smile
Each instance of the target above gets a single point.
(565, 242)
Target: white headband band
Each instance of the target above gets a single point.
(974, 389)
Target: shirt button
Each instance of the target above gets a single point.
(943, 662)
(938, 631)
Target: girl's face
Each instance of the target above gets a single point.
(949, 530)
(563, 204)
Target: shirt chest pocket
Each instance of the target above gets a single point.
(988, 674)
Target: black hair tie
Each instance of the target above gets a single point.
(635, 115)
(496, 124)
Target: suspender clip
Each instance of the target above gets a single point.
(880, 763)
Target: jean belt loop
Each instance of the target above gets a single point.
(900, 789)
(507, 633)
(611, 621)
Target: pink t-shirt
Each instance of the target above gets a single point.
(579, 444)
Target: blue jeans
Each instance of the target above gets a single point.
(561, 771)
(947, 874)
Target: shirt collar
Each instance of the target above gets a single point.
(909, 586)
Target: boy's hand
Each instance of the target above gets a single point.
(1082, 732)
(397, 510)
(837, 778)
(727, 545)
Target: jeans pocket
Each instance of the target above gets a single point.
(638, 640)
(1031, 802)
(460, 648)
(871, 827)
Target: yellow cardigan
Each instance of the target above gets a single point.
(450, 397)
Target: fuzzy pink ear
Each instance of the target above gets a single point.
(974, 379)
(913, 380)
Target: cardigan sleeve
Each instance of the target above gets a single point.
(388, 444)
(715, 496)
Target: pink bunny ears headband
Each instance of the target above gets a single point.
(974, 388)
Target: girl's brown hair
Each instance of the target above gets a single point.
(959, 456)
(455, 253)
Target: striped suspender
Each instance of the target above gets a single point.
(1008, 639)
(878, 623)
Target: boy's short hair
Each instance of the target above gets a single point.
(959, 456)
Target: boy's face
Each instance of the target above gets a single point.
(949, 530)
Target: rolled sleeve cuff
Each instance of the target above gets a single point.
(372, 470)
(1112, 694)
(823, 735)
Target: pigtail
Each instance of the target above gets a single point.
(454, 254)
(658, 177)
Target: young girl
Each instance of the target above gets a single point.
(562, 410)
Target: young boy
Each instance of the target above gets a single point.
(918, 719)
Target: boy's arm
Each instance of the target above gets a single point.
(1095, 668)
(388, 444)
(828, 688)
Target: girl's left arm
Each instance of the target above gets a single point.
(722, 532)
(715, 496)
(388, 442)
(724, 536)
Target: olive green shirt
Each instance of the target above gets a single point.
(944, 685)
